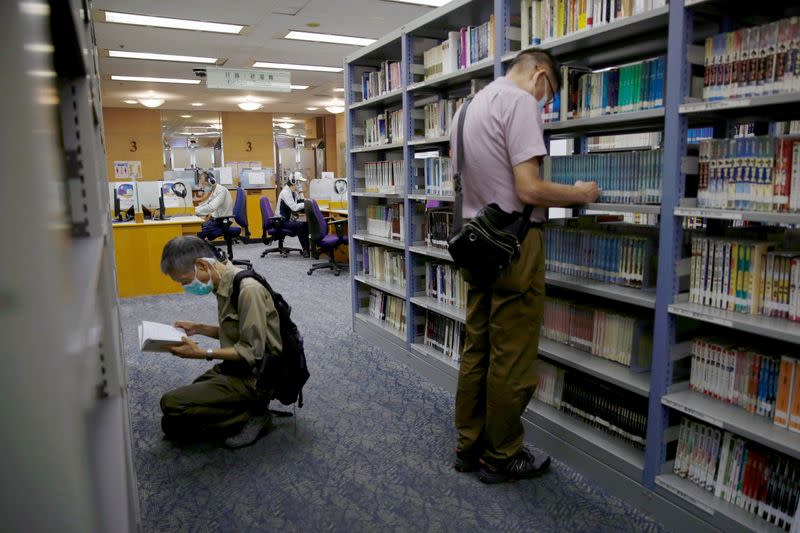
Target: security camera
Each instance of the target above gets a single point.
(199, 72)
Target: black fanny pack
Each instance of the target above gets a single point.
(488, 243)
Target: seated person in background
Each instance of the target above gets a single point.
(289, 204)
(222, 403)
(219, 204)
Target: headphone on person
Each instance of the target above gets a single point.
(209, 178)
(291, 181)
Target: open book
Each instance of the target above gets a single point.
(155, 337)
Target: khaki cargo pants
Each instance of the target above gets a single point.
(215, 405)
(498, 376)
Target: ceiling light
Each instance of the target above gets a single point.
(131, 101)
(197, 104)
(151, 102)
(334, 109)
(186, 116)
(338, 89)
(35, 8)
(285, 118)
(312, 108)
(161, 57)
(429, 3)
(292, 66)
(328, 38)
(250, 106)
(42, 73)
(155, 80)
(178, 24)
(285, 125)
(298, 87)
(43, 48)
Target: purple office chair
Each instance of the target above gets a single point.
(230, 232)
(272, 230)
(318, 234)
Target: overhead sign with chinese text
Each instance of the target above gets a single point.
(249, 79)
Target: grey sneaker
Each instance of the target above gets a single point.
(523, 465)
(256, 427)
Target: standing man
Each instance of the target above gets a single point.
(289, 204)
(503, 148)
(217, 205)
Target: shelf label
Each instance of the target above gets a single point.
(704, 317)
(716, 213)
(693, 412)
(681, 494)
(711, 106)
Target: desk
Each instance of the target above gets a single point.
(137, 248)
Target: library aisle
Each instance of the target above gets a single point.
(372, 449)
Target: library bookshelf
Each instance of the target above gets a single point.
(676, 31)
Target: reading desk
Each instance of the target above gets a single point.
(137, 248)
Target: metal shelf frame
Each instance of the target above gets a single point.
(638, 476)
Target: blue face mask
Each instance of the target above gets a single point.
(197, 287)
(207, 188)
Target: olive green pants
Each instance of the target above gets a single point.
(498, 363)
(215, 405)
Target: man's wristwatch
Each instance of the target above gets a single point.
(210, 354)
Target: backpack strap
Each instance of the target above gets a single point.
(458, 215)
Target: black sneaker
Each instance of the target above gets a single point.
(467, 461)
(521, 466)
(256, 427)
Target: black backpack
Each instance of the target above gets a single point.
(280, 376)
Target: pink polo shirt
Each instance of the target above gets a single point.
(503, 129)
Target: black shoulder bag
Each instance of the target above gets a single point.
(489, 242)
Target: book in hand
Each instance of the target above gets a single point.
(155, 337)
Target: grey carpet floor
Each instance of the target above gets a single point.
(371, 451)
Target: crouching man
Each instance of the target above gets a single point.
(222, 403)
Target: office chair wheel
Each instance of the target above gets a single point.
(336, 273)
(309, 272)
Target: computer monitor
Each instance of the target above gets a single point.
(129, 213)
(162, 211)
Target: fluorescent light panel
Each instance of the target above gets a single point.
(292, 66)
(155, 80)
(197, 104)
(161, 57)
(429, 3)
(299, 87)
(178, 24)
(131, 101)
(328, 38)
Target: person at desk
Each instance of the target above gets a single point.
(289, 205)
(221, 403)
(219, 204)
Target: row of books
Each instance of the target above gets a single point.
(597, 255)
(762, 482)
(437, 227)
(623, 141)
(606, 408)
(439, 116)
(385, 176)
(753, 61)
(388, 309)
(443, 335)
(445, 283)
(787, 127)
(462, 49)
(384, 128)
(384, 264)
(386, 221)
(744, 276)
(750, 173)
(386, 79)
(633, 87)
(438, 180)
(623, 177)
(695, 135)
(544, 20)
(623, 338)
(762, 383)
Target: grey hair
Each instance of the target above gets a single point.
(180, 253)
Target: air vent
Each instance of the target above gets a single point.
(289, 7)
